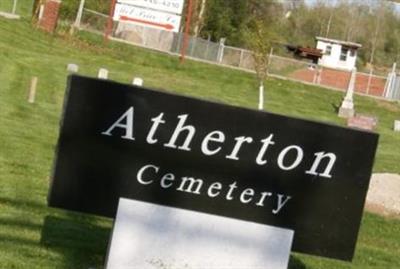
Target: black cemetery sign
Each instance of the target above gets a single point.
(119, 140)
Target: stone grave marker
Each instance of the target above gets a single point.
(363, 122)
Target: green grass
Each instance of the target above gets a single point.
(35, 236)
(23, 8)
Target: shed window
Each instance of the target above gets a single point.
(343, 54)
(328, 50)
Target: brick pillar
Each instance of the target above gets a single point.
(48, 20)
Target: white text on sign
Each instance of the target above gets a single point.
(146, 17)
(172, 6)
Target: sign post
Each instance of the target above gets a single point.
(110, 21)
(187, 31)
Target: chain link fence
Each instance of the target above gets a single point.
(218, 53)
(392, 87)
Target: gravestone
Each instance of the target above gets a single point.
(396, 125)
(137, 81)
(72, 68)
(363, 122)
(103, 73)
(149, 236)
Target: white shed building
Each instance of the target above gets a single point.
(337, 53)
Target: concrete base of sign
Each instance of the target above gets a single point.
(397, 126)
(152, 236)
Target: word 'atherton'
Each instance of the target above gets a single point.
(213, 142)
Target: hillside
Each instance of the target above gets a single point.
(34, 236)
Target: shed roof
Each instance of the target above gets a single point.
(341, 42)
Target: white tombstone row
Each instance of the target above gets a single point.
(103, 74)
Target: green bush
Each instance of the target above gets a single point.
(69, 8)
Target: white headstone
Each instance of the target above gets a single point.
(137, 81)
(72, 68)
(103, 73)
(346, 110)
(152, 236)
(397, 125)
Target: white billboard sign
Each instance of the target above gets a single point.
(172, 6)
(147, 17)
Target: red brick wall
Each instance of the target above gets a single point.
(48, 22)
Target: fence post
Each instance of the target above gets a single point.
(194, 41)
(390, 80)
(144, 35)
(79, 14)
(14, 8)
(369, 80)
(241, 57)
(178, 45)
(271, 51)
(207, 48)
(221, 47)
(319, 74)
(315, 77)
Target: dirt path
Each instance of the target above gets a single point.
(384, 194)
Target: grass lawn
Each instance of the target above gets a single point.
(35, 236)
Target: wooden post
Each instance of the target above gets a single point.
(110, 21)
(32, 90)
(187, 28)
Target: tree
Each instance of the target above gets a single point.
(260, 35)
(200, 17)
(225, 19)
